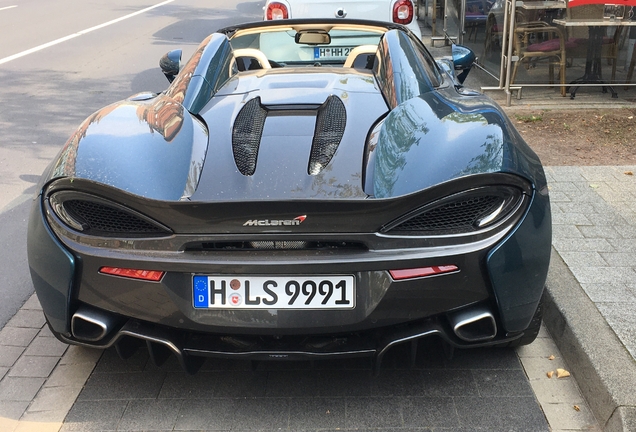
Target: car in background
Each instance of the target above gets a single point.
(395, 11)
(267, 206)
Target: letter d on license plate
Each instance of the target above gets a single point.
(266, 292)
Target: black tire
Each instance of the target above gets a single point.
(530, 334)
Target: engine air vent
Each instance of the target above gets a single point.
(96, 216)
(461, 213)
(246, 135)
(330, 125)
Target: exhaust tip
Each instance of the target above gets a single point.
(474, 325)
(91, 325)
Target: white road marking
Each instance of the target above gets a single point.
(80, 33)
(8, 7)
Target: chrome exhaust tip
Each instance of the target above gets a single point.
(92, 325)
(474, 325)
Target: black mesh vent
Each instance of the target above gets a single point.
(280, 245)
(97, 218)
(246, 135)
(462, 213)
(330, 126)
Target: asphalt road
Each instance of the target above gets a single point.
(56, 68)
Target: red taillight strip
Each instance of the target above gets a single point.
(422, 272)
(147, 275)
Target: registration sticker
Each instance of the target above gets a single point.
(279, 292)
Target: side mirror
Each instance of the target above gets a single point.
(463, 60)
(170, 64)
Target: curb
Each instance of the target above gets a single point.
(602, 366)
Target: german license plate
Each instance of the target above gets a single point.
(326, 53)
(279, 292)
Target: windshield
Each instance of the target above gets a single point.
(280, 45)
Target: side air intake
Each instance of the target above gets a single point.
(246, 135)
(99, 217)
(330, 126)
(465, 212)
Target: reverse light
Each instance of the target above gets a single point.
(147, 275)
(276, 11)
(403, 12)
(422, 272)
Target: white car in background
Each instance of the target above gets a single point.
(397, 11)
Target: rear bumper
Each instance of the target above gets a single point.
(190, 348)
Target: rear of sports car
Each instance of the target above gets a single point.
(297, 215)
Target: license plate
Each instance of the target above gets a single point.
(279, 292)
(323, 53)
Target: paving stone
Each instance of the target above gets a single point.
(70, 375)
(559, 197)
(597, 173)
(32, 303)
(564, 416)
(111, 362)
(425, 383)
(608, 292)
(209, 384)
(556, 390)
(483, 358)
(599, 232)
(587, 195)
(3, 372)
(502, 383)
(566, 173)
(134, 385)
(39, 423)
(582, 259)
(612, 275)
(511, 413)
(19, 388)
(619, 259)
(17, 336)
(78, 355)
(622, 245)
(316, 413)
(33, 366)
(584, 245)
(27, 318)
(45, 332)
(574, 207)
(562, 186)
(292, 383)
(611, 195)
(536, 368)
(566, 231)
(9, 355)
(539, 348)
(235, 414)
(570, 219)
(54, 399)
(46, 346)
(622, 319)
(88, 416)
(345, 382)
(382, 412)
(12, 411)
(607, 219)
(150, 414)
(429, 411)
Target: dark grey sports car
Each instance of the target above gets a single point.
(303, 189)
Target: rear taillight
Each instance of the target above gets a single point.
(147, 275)
(403, 12)
(414, 273)
(276, 11)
